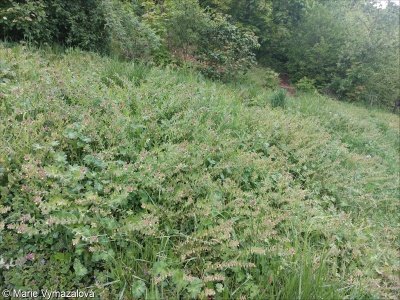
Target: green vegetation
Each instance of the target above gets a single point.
(346, 48)
(279, 99)
(142, 182)
(144, 155)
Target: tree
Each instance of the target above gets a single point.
(73, 23)
(273, 21)
(315, 46)
(208, 40)
(350, 47)
(225, 49)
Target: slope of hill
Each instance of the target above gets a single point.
(150, 183)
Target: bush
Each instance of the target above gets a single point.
(279, 99)
(270, 79)
(186, 25)
(24, 21)
(116, 72)
(72, 23)
(225, 50)
(305, 85)
(209, 42)
(78, 23)
(260, 77)
(129, 37)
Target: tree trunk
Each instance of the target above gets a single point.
(396, 106)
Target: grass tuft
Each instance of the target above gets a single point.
(279, 99)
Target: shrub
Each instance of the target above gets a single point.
(78, 23)
(209, 42)
(116, 72)
(187, 24)
(72, 23)
(356, 58)
(270, 79)
(279, 99)
(129, 37)
(225, 50)
(24, 21)
(305, 85)
(263, 78)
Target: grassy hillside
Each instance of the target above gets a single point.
(148, 183)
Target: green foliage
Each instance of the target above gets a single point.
(356, 58)
(371, 58)
(305, 85)
(275, 35)
(269, 78)
(23, 20)
(135, 30)
(225, 50)
(7, 70)
(117, 72)
(210, 42)
(77, 23)
(253, 15)
(73, 23)
(315, 47)
(129, 36)
(187, 24)
(273, 22)
(138, 289)
(153, 183)
(279, 99)
(254, 86)
(349, 48)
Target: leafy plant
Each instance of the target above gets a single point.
(24, 20)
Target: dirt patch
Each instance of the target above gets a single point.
(285, 84)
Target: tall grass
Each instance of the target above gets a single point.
(279, 99)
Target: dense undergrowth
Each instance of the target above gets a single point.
(144, 183)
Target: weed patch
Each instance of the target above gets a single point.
(155, 184)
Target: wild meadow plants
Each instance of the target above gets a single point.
(145, 183)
